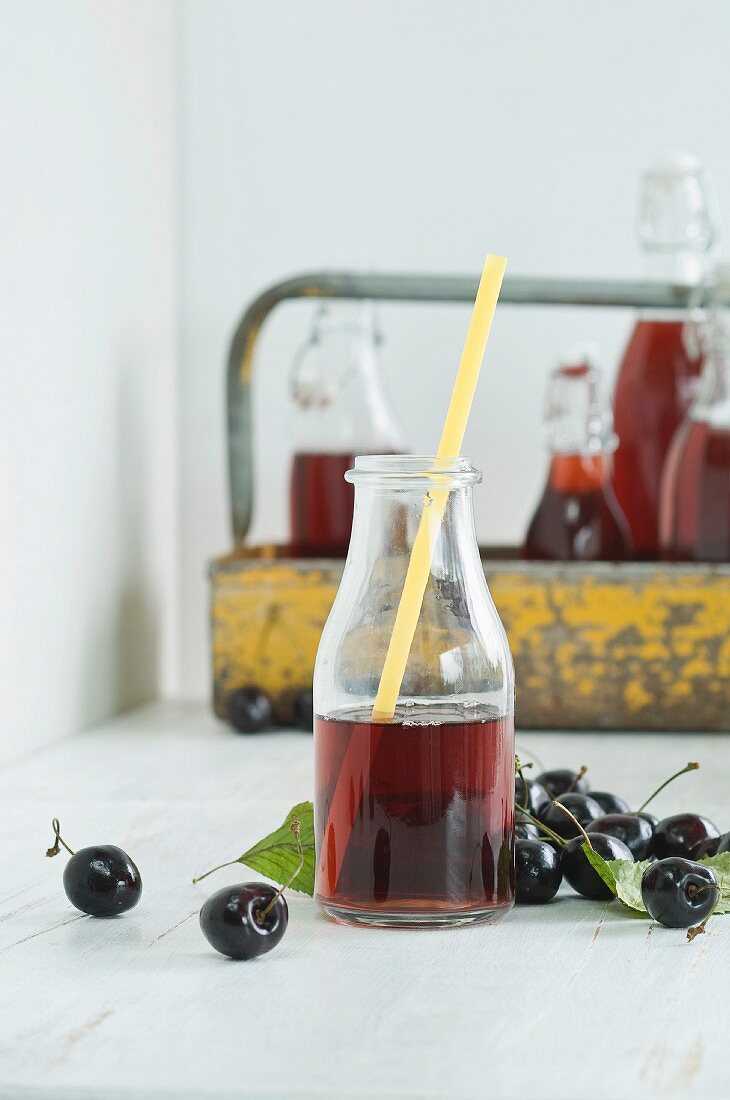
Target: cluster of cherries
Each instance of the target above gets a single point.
(557, 814)
(250, 710)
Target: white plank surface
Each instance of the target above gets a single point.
(574, 1000)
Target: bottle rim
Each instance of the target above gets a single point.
(409, 471)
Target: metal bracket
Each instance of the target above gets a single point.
(518, 290)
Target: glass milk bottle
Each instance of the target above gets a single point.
(414, 816)
(340, 409)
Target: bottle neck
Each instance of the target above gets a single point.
(386, 522)
(712, 402)
(339, 402)
(683, 266)
(578, 473)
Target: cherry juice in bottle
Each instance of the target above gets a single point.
(416, 815)
(695, 516)
(321, 504)
(654, 389)
(578, 518)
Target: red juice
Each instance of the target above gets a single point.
(414, 817)
(321, 505)
(654, 389)
(695, 514)
(578, 518)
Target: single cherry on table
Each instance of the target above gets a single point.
(246, 920)
(101, 880)
(679, 893)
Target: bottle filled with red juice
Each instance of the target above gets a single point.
(659, 372)
(695, 497)
(340, 409)
(414, 815)
(578, 517)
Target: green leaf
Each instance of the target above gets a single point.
(721, 866)
(628, 878)
(277, 855)
(600, 866)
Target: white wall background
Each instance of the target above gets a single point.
(87, 369)
(416, 136)
(164, 161)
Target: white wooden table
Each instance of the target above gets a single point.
(576, 999)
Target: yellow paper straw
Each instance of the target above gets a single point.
(452, 437)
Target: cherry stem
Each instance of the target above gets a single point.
(575, 821)
(686, 768)
(576, 780)
(534, 759)
(518, 769)
(55, 849)
(698, 930)
(540, 825)
(213, 869)
(296, 828)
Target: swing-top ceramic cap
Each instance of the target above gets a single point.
(578, 416)
(677, 208)
(675, 162)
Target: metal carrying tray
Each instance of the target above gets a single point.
(629, 646)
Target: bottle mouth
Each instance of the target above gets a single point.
(408, 471)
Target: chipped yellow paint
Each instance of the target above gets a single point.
(597, 646)
(636, 697)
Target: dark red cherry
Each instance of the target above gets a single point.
(537, 870)
(679, 893)
(610, 803)
(581, 806)
(560, 780)
(304, 710)
(682, 835)
(538, 799)
(634, 831)
(709, 847)
(579, 871)
(241, 921)
(102, 881)
(249, 710)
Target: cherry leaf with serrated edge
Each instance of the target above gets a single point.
(720, 864)
(628, 878)
(277, 855)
